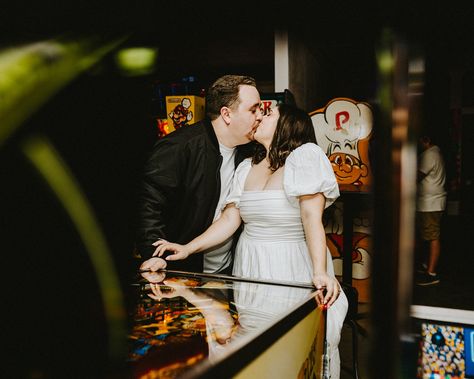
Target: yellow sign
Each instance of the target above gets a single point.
(184, 110)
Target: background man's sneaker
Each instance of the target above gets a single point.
(428, 279)
(422, 269)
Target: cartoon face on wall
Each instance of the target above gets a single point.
(342, 129)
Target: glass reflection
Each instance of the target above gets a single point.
(181, 321)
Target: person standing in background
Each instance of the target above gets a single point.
(189, 173)
(431, 203)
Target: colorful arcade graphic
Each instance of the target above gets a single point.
(184, 110)
(271, 100)
(183, 322)
(361, 253)
(343, 129)
(445, 352)
(178, 324)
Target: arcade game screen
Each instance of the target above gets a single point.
(446, 351)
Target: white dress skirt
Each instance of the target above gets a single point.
(272, 244)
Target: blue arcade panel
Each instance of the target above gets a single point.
(469, 351)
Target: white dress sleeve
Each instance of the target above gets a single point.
(238, 182)
(307, 172)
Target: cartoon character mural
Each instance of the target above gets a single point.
(361, 254)
(343, 130)
(181, 114)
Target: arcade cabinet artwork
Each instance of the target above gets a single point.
(444, 351)
(266, 105)
(343, 130)
(181, 111)
(162, 127)
(271, 100)
(184, 110)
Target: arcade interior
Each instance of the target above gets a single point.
(77, 120)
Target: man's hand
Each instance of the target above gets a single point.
(153, 264)
(153, 276)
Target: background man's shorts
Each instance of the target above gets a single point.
(429, 225)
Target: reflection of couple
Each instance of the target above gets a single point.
(280, 195)
(230, 313)
(220, 325)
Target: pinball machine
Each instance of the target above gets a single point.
(191, 325)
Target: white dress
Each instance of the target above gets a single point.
(272, 244)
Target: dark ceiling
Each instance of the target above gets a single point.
(240, 32)
(205, 39)
(159, 20)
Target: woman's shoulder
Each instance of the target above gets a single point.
(308, 161)
(308, 171)
(308, 150)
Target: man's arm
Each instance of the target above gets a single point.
(161, 179)
(425, 165)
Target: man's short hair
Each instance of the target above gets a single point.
(224, 92)
(425, 138)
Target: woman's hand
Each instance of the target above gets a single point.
(178, 251)
(322, 281)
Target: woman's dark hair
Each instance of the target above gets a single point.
(294, 128)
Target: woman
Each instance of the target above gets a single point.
(280, 194)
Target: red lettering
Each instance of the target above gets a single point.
(341, 118)
(265, 105)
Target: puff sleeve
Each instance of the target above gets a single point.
(308, 171)
(238, 182)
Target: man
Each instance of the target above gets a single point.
(430, 206)
(189, 173)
